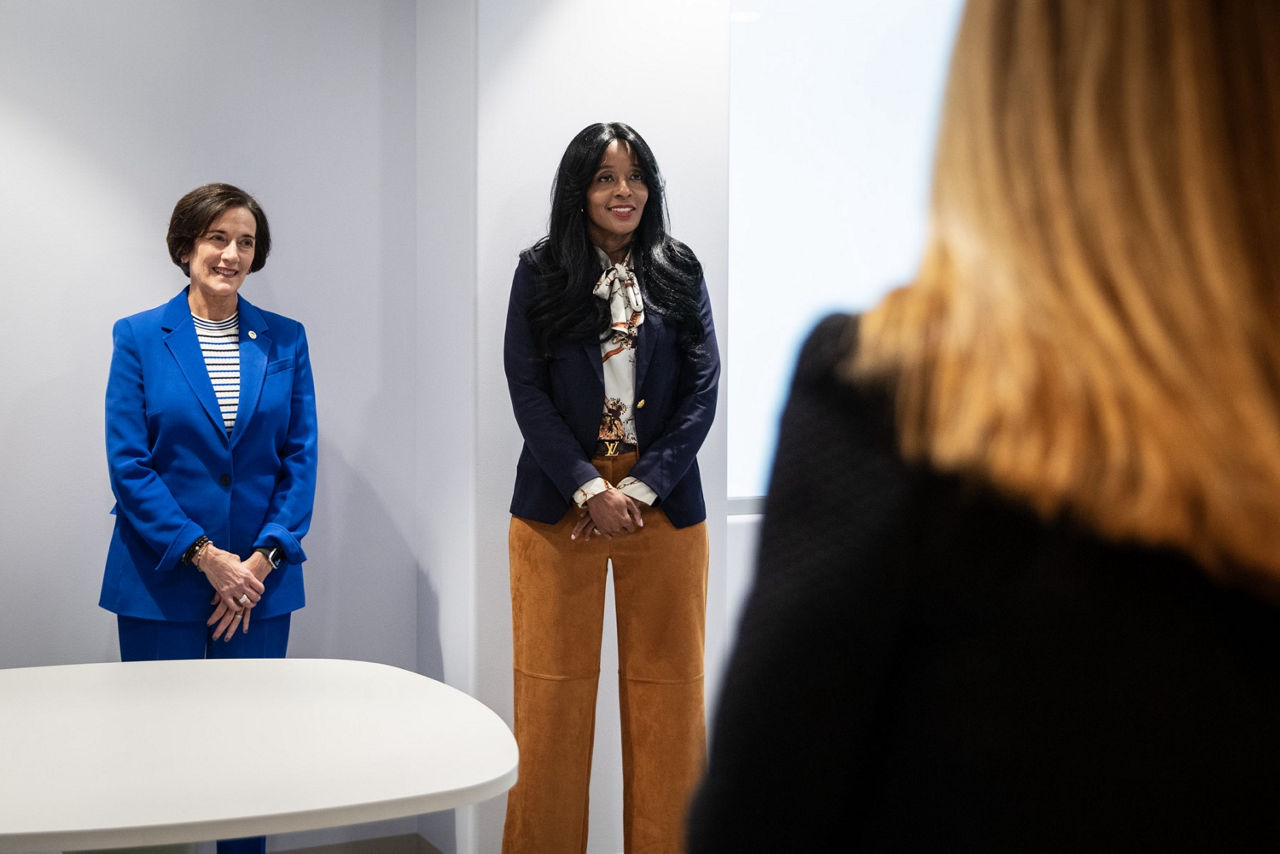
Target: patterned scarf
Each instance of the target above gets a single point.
(618, 285)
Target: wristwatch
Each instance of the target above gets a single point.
(273, 554)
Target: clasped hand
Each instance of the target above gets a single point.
(237, 588)
(609, 514)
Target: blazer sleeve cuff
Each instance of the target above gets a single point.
(172, 557)
(281, 535)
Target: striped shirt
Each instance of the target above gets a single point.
(220, 344)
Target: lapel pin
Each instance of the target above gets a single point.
(253, 335)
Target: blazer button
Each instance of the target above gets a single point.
(640, 403)
(225, 480)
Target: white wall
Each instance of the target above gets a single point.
(404, 153)
(445, 404)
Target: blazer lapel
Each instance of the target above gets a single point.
(180, 338)
(592, 350)
(255, 348)
(650, 333)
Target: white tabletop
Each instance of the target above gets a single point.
(150, 753)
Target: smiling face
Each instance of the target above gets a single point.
(219, 260)
(615, 200)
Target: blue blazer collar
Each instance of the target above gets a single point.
(255, 348)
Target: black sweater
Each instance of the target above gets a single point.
(925, 665)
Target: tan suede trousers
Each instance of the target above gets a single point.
(557, 606)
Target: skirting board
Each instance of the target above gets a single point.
(408, 843)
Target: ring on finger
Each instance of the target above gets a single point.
(244, 599)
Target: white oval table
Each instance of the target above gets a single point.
(158, 752)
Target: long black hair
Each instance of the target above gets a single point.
(568, 266)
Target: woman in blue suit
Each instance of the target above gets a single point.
(211, 447)
(612, 365)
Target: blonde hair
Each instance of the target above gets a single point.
(1095, 324)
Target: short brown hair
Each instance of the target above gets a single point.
(196, 211)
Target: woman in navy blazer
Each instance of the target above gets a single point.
(612, 365)
(211, 447)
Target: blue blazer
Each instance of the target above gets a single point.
(559, 401)
(176, 474)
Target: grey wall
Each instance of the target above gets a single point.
(404, 152)
(109, 112)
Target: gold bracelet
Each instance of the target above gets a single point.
(189, 555)
(195, 559)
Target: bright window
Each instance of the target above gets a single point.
(833, 109)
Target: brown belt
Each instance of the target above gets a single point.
(614, 447)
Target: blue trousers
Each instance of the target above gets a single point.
(160, 640)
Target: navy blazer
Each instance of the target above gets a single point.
(176, 474)
(559, 402)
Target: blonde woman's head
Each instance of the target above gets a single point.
(1095, 325)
